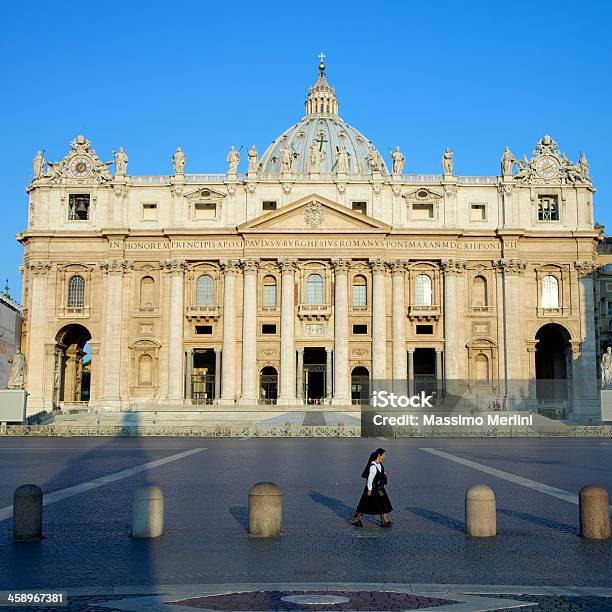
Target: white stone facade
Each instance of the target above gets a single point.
(324, 270)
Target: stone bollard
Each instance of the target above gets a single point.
(594, 513)
(480, 519)
(27, 513)
(265, 510)
(148, 513)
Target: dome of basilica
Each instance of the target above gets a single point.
(322, 142)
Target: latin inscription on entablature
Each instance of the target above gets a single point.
(311, 243)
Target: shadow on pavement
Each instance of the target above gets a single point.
(77, 546)
(241, 515)
(539, 520)
(337, 506)
(436, 517)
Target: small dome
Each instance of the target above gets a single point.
(322, 141)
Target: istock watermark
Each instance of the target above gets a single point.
(432, 405)
(386, 399)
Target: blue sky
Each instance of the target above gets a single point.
(475, 76)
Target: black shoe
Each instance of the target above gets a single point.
(357, 523)
(387, 524)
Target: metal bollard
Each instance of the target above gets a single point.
(265, 510)
(480, 518)
(148, 513)
(27, 513)
(594, 513)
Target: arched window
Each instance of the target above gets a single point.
(205, 291)
(76, 291)
(269, 292)
(550, 292)
(360, 291)
(479, 291)
(481, 367)
(147, 292)
(423, 290)
(314, 289)
(145, 370)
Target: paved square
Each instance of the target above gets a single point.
(87, 543)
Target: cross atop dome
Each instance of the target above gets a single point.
(321, 98)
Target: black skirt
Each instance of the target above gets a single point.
(377, 503)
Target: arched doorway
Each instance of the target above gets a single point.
(268, 385)
(360, 385)
(553, 370)
(72, 366)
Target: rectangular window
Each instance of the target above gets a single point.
(422, 212)
(78, 206)
(149, 212)
(203, 330)
(268, 206)
(424, 329)
(204, 211)
(610, 309)
(360, 295)
(360, 207)
(548, 208)
(360, 329)
(478, 212)
(268, 328)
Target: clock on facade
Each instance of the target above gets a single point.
(547, 166)
(80, 166)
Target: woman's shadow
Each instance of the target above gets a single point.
(337, 506)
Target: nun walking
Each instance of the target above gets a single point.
(374, 499)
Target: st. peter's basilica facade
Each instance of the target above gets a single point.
(309, 276)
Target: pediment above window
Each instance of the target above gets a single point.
(205, 193)
(422, 194)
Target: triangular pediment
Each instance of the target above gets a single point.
(314, 214)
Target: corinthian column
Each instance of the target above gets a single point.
(379, 320)
(341, 333)
(287, 335)
(175, 268)
(111, 386)
(249, 332)
(228, 364)
(400, 362)
(37, 330)
(452, 346)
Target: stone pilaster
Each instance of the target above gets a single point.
(38, 272)
(175, 268)
(328, 374)
(300, 374)
(287, 335)
(587, 406)
(453, 354)
(217, 373)
(513, 277)
(189, 374)
(379, 320)
(341, 333)
(400, 365)
(114, 269)
(249, 332)
(228, 369)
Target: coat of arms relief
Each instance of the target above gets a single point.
(313, 215)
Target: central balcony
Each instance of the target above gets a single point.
(423, 313)
(203, 313)
(314, 312)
